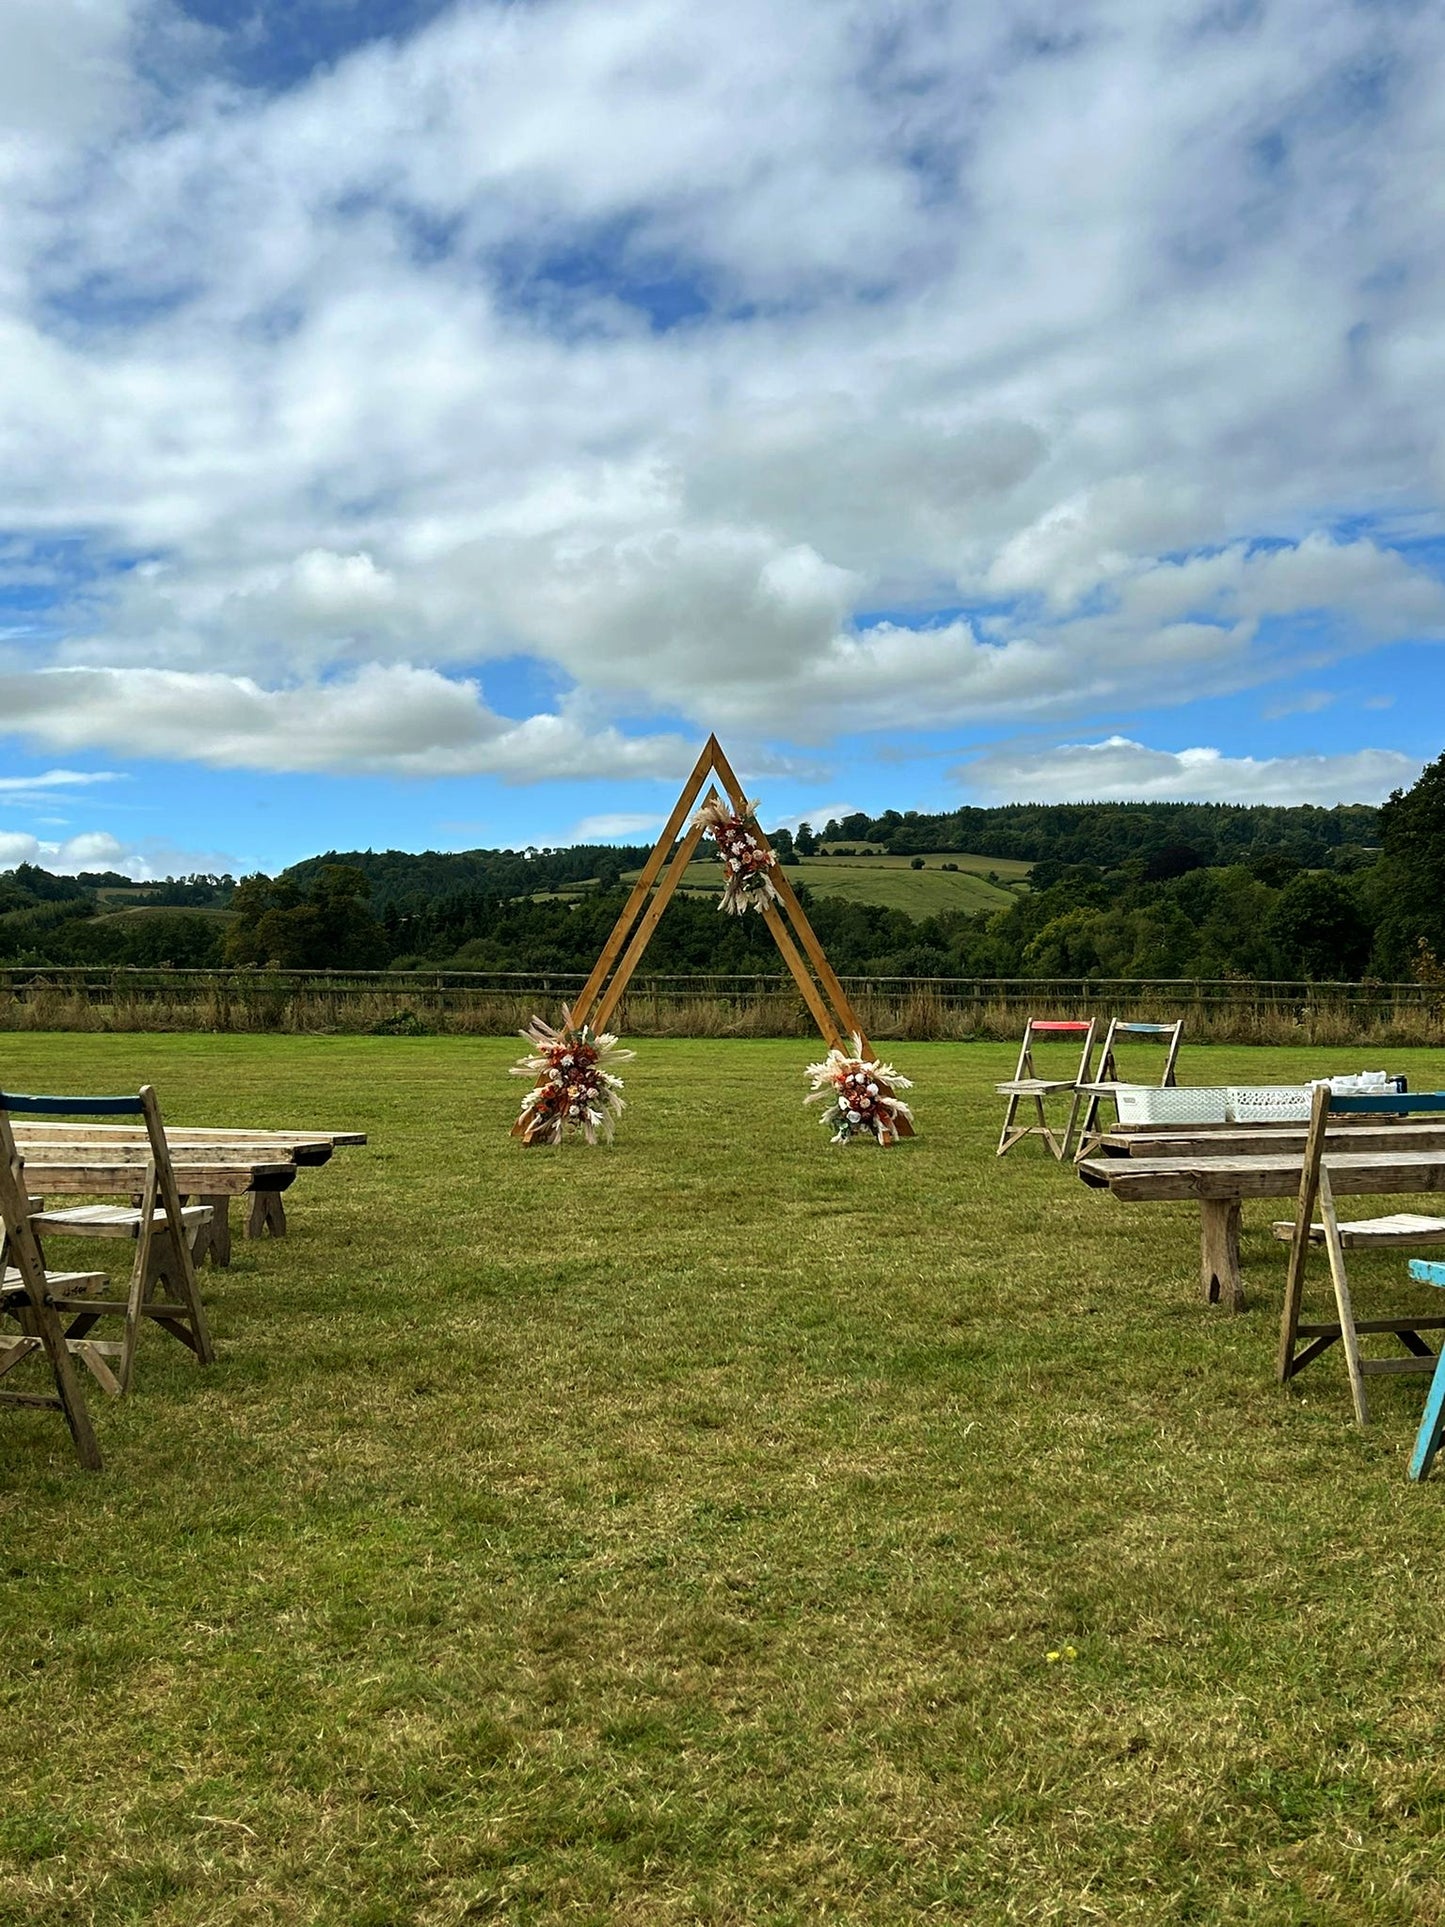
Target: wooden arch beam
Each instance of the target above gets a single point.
(831, 1008)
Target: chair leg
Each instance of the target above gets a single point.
(170, 1270)
(1089, 1133)
(140, 1277)
(1432, 1426)
(67, 1386)
(1340, 1279)
(1063, 1150)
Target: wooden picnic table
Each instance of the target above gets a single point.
(78, 1170)
(1221, 1184)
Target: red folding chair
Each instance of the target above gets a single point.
(1027, 1084)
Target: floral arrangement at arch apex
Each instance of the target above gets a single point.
(746, 857)
(573, 1092)
(859, 1096)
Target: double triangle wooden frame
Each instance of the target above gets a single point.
(825, 997)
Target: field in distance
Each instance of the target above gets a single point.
(866, 876)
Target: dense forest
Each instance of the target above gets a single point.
(1116, 890)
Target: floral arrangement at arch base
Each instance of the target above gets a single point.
(746, 858)
(573, 1092)
(858, 1093)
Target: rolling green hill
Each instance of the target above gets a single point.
(149, 912)
(889, 881)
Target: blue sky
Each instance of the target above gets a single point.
(423, 422)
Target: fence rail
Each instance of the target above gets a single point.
(489, 1002)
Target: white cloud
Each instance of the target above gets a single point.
(1120, 770)
(395, 720)
(345, 388)
(98, 850)
(817, 816)
(19, 788)
(1309, 702)
(621, 826)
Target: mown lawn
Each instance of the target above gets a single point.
(722, 1528)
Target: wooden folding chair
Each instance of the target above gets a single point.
(1400, 1228)
(1107, 1076)
(1027, 1085)
(31, 1298)
(163, 1286)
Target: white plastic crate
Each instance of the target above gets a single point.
(1362, 1084)
(1174, 1104)
(1269, 1103)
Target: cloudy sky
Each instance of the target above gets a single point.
(421, 423)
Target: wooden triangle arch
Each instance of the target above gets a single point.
(825, 997)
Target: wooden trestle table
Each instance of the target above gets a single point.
(1220, 1184)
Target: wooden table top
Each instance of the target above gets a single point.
(136, 1150)
(1263, 1175)
(299, 1147)
(1244, 1140)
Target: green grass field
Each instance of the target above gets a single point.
(722, 1528)
(888, 880)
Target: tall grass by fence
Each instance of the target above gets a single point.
(486, 1003)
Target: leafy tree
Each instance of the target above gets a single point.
(1172, 860)
(1067, 946)
(1319, 928)
(1408, 883)
(327, 925)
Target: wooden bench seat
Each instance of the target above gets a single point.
(68, 1292)
(113, 1220)
(1400, 1228)
(1033, 1086)
(13, 1283)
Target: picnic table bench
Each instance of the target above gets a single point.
(1220, 1184)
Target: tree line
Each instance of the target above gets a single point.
(1116, 890)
